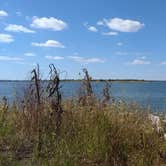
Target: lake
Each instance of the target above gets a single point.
(145, 93)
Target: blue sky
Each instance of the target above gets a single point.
(111, 38)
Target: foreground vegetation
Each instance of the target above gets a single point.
(42, 129)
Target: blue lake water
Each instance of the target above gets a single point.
(144, 93)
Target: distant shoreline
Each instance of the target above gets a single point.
(94, 80)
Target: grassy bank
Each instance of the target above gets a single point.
(42, 129)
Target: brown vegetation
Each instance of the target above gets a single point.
(43, 129)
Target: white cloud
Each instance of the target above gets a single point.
(122, 25)
(140, 61)
(3, 13)
(48, 23)
(100, 23)
(9, 58)
(54, 57)
(91, 28)
(6, 38)
(49, 43)
(119, 44)
(142, 54)
(18, 28)
(86, 60)
(30, 54)
(110, 33)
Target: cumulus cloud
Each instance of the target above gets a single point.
(30, 54)
(110, 33)
(6, 38)
(48, 23)
(54, 57)
(91, 28)
(10, 58)
(122, 25)
(3, 13)
(86, 60)
(140, 61)
(100, 23)
(18, 28)
(49, 43)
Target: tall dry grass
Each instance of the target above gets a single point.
(43, 129)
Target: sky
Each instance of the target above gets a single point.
(113, 39)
